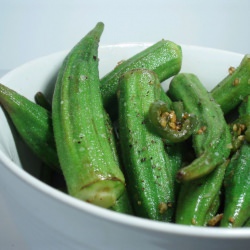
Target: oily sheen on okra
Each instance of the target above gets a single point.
(212, 138)
(147, 166)
(237, 179)
(90, 167)
(164, 58)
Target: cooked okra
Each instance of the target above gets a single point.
(91, 169)
(212, 138)
(147, 167)
(198, 200)
(163, 57)
(144, 171)
(237, 180)
(230, 92)
(33, 123)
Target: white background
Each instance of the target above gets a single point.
(30, 29)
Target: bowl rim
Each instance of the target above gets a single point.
(128, 220)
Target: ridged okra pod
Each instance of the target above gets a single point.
(212, 139)
(147, 166)
(233, 88)
(33, 123)
(163, 57)
(197, 198)
(90, 167)
(237, 181)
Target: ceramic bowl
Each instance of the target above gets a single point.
(51, 219)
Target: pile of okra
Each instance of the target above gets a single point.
(123, 143)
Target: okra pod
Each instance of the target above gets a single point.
(163, 57)
(237, 182)
(89, 164)
(213, 216)
(33, 123)
(198, 198)
(233, 88)
(147, 167)
(212, 138)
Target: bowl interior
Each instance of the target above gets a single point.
(210, 65)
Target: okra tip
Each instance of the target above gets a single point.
(100, 25)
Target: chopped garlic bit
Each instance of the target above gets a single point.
(170, 119)
(202, 130)
(231, 70)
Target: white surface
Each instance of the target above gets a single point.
(30, 29)
(48, 219)
(10, 235)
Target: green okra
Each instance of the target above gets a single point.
(33, 123)
(213, 216)
(211, 139)
(147, 166)
(237, 182)
(168, 125)
(197, 199)
(233, 88)
(163, 57)
(88, 160)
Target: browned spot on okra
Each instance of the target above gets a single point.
(231, 220)
(180, 174)
(104, 189)
(202, 130)
(193, 221)
(236, 82)
(163, 207)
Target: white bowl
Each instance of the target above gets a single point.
(50, 219)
